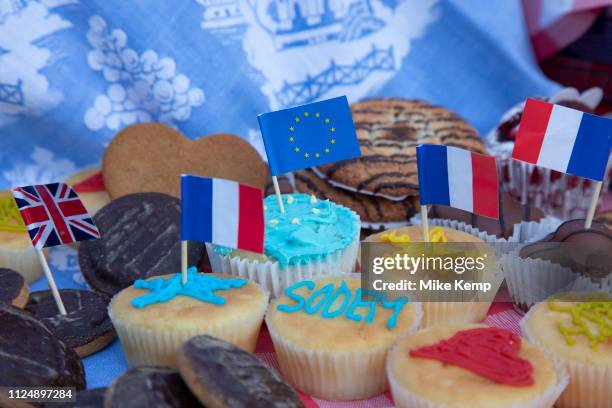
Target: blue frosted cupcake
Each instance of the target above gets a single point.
(313, 238)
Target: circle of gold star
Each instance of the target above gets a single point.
(317, 115)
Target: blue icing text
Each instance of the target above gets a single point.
(308, 229)
(323, 299)
(199, 286)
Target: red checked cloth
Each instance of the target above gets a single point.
(500, 315)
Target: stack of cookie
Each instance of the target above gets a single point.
(382, 185)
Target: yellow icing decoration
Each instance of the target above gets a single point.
(436, 234)
(592, 319)
(392, 237)
(10, 219)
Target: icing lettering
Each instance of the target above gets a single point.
(324, 301)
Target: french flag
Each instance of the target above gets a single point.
(458, 178)
(563, 139)
(222, 212)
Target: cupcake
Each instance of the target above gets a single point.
(89, 185)
(471, 366)
(154, 317)
(330, 343)
(436, 312)
(570, 258)
(577, 333)
(312, 238)
(16, 250)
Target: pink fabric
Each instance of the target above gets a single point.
(560, 25)
(500, 315)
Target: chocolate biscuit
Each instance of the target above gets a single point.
(150, 387)
(86, 327)
(32, 356)
(140, 239)
(223, 375)
(13, 288)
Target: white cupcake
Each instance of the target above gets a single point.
(332, 345)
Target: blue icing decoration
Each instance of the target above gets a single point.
(306, 231)
(322, 300)
(199, 286)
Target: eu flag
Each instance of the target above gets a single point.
(309, 135)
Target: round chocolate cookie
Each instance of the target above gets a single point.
(32, 356)
(13, 288)
(373, 211)
(389, 130)
(223, 375)
(86, 327)
(150, 387)
(93, 398)
(140, 239)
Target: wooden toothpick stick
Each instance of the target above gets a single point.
(51, 281)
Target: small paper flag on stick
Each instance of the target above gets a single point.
(566, 140)
(457, 178)
(54, 215)
(308, 136)
(222, 212)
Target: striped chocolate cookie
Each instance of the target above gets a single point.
(372, 210)
(389, 131)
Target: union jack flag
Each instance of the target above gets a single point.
(54, 215)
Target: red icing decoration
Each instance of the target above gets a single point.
(91, 184)
(489, 352)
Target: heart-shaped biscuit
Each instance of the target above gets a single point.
(151, 157)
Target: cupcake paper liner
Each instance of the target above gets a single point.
(533, 280)
(404, 398)
(589, 386)
(562, 197)
(339, 376)
(525, 231)
(436, 313)
(22, 260)
(274, 278)
(144, 346)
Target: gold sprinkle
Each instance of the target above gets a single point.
(306, 114)
(326, 150)
(295, 221)
(297, 120)
(315, 211)
(317, 114)
(333, 129)
(273, 223)
(332, 141)
(326, 120)
(297, 149)
(291, 129)
(290, 200)
(291, 139)
(317, 155)
(306, 155)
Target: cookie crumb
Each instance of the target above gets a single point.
(313, 199)
(295, 221)
(315, 211)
